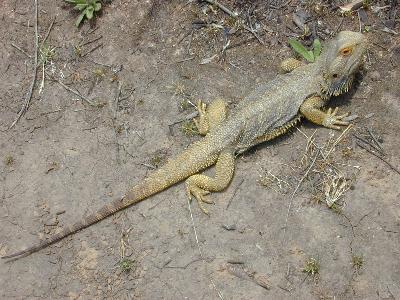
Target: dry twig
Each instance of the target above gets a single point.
(297, 187)
(222, 7)
(372, 145)
(328, 177)
(22, 50)
(380, 157)
(201, 252)
(338, 140)
(35, 68)
(71, 90)
(47, 33)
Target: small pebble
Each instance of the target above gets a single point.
(350, 118)
(51, 222)
(369, 115)
(229, 227)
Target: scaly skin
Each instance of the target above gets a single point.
(269, 111)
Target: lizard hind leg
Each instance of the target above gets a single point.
(210, 116)
(200, 185)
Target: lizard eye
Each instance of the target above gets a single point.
(346, 51)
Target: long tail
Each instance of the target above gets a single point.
(188, 163)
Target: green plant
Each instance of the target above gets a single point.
(309, 55)
(367, 28)
(336, 208)
(311, 267)
(126, 264)
(358, 261)
(367, 4)
(46, 54)
(189, 128)
(9, 160)
(87, 8)
(157, 161)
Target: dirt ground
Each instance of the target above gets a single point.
(65, 157)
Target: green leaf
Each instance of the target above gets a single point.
(80, 18)
(80, 6)
(309, 56)
(76, 1)
(312, 57)
(89, 12)
(297, 46)
(97, 7)
(317, 48)
(300, 49)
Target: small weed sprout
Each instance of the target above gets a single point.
(99, 72)
(189, 128)
(311, 267)
(367, 4)
(87, 8)
(78, 50)
(157, 161)
(358, 262)
(336, 208)
(179, 91)
(184, 105)
(46, 54)
(9, 160)
(126, 265)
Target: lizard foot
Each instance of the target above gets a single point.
(201, 108)
(332, 120)
(202, 122)
(198, 193)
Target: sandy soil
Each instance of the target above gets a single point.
(66, 158)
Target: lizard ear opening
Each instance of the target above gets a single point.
(346, 51)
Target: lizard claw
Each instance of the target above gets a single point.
(334, 121)
(201, 122)
(201, 107)
(199, 194)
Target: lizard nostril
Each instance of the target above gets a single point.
(335, 75)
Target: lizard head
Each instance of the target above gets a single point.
(343, 56)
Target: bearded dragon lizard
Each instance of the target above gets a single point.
(269, 111)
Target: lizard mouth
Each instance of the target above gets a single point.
(339, 86)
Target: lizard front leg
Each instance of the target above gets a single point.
(210, 116)
(311, 110)
(200, 185)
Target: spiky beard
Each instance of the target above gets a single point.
(338, 88)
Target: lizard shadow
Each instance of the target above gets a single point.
(274, 142)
